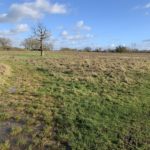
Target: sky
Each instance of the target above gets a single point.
(79, 23)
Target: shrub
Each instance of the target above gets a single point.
(121, 49)
(68, 49)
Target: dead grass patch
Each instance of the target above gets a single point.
(5, 71)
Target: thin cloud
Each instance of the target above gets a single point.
(138, 7)
(32, 10)
(147, 13)
(75, 37)
(146, 41)
(79, 35)
(147, 5)
(82, 26)
(20, 28)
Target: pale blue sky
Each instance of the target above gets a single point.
(79, 23)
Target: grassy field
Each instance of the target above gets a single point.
(78, 101)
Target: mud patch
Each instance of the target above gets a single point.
(5, 129)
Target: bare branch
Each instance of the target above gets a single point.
(41, 34)
(5, 42)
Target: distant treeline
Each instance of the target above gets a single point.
(32, 44)
(118, 49)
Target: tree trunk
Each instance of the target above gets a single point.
(41, 48)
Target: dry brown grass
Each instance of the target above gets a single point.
(5, 71)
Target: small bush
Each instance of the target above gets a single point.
(121, 49)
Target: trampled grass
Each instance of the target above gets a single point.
(78, 101)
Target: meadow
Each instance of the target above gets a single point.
(74, 101)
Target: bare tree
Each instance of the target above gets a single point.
(48, 46)
(5, 43)
(41, 34)
(31, 44)
(34, 44)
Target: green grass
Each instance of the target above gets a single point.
(80, 101)
(15, 130)
(5, 145)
